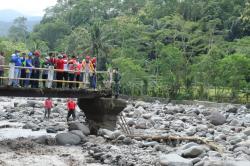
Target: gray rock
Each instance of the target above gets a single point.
(67, 139)
(128, 108)
(131, 122)
(121, 137)
(147, 116)
(247, 118)
(141, 124)
(45, 140)
(116, 134)
(79, 126)
(138, 112)
(244, 143)
(141, 104)
(247, 131)
(127, 141)
(248, 105)
(106, 133)
(174, 160)
(236, 122)
(80, 134)
(235, 139)
(150, 144)
(237, 163)
(160, 148)
(232, 109)
(51, 130)
(213, 163)
(193, 152)
(191, 131)
(189, 145)
(30, 126)
(216, 118)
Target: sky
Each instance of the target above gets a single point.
(27, 7)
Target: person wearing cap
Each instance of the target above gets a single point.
(15, 58)
(28, 70)
(88, 69)
(60, 70)
(46, 63)
(2, 62)
(36, 73)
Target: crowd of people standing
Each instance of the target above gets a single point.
(69, 70)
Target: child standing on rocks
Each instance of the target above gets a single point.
(48, 106)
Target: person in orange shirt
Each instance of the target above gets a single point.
(71, 109)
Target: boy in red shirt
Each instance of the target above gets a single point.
(71, 109)
(47, 105)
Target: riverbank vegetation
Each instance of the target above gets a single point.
(180, 49)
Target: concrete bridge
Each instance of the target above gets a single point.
(99, 107)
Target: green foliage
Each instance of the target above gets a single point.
(179, 49)
(18, 31)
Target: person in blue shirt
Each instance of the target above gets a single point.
(15, 58)
(28, 71)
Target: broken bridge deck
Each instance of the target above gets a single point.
(55, 93)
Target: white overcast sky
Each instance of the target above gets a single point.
(27, 7)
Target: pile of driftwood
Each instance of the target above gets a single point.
(170, 139)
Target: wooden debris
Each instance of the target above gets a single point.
(169, 138)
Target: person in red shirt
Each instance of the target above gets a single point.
(48, 106)
(78, 73)
(60, 72)
(71, 109)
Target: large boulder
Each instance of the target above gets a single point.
(80, 134)
(216, 118)
(174, 160)
(79, 126)
(67, 139)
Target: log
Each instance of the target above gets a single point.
(170, 138)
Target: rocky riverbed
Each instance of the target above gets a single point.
(26, 138)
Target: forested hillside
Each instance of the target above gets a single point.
(191, 49)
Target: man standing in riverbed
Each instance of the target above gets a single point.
(48, 106)
(71, 109)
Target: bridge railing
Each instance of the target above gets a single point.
(9, 76)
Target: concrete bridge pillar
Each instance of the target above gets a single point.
(101, 112)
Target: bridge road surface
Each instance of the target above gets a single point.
(55, 93)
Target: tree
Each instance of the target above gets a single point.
(18, 31)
